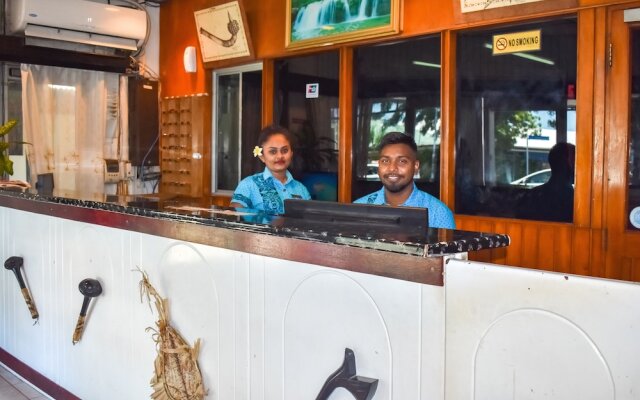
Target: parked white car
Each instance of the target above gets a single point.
(534, 179)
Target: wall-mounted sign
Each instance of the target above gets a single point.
(518, 42)
(479, 5)
(313, 91)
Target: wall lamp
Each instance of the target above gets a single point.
(189, 59)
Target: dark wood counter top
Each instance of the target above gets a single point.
(408, 258)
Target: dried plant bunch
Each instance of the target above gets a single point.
(177, 374)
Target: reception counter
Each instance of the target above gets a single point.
(408, 257)
(275, 307)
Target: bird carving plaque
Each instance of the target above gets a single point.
(222, 32)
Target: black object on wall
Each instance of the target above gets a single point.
(360, 387)
(144, 128)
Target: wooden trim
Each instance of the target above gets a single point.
(598, 183)
(207, 140)
(35, 378)
(448, 118)
(345, 141)
(584, 117)
(268, 91)
(619, 243)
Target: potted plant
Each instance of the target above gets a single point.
(6, 165)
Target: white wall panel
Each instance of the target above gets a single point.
(514, 333)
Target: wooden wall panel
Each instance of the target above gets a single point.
(563, 254)
(548, 246)
(266, 26)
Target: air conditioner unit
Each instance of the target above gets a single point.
(77, 21)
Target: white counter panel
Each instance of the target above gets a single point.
(270, 329)
(514, 333)
(317, 312)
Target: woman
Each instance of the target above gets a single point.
(267, 190)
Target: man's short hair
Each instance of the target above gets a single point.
(398, 138)
(562, 157)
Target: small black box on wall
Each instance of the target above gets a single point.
(143, 122)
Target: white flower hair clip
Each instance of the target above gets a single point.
(257, 151)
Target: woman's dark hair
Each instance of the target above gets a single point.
(271, 130)
(397, 138)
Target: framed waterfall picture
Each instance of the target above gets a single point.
(325, 22)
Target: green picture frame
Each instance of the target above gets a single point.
(313, 23)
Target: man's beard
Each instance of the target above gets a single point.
(396, 187)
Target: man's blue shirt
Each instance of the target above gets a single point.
(439, 214)
(264, 192)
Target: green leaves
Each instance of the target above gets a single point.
(6, 165)
(6, 128)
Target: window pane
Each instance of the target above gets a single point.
(238, 123)
(228, 131)
(251, 121)
(307, 104)
(13, 104)
(404, 96)
(512, 109)
(634, 129)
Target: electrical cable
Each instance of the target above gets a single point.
(139, 6)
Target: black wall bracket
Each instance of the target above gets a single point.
(360, 387)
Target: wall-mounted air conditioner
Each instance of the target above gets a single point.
(77, 21)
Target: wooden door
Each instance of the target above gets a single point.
(622, 136)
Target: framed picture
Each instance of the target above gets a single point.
(480, 5)
(222, 32)
(322, 22)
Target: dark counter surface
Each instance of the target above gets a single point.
(436, 241)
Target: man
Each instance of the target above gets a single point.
(397, 165)
(553, 200)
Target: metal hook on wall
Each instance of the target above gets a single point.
(360, 387)
(89, 288)
(14, 263)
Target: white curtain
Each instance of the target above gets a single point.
(72, 123)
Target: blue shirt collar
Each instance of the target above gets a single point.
(266, 174)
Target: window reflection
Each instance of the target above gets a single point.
(511, 110)
(238, 121)
(401, 94)
(307, 104)
(12, 99)
(634, 128)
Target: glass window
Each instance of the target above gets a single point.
(512, 110)
(11, 101)
(634, 129)
(237, 117)
(400, 95)
(307, 104)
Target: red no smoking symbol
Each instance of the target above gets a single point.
(501, 43)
